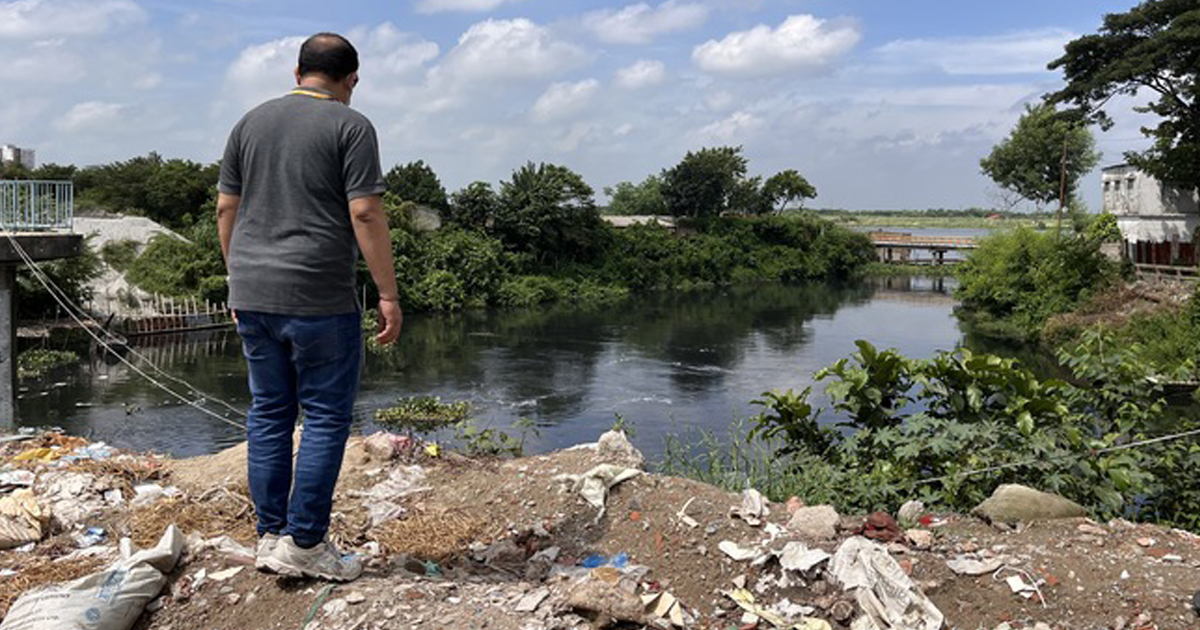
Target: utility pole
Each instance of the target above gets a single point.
(1062, 187)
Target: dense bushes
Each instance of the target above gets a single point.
(1017, 279)
(925, 429)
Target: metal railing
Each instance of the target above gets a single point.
(31, 206)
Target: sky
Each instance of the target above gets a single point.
(881, 104)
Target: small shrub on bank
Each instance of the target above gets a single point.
(1018, 279)
(925, 428)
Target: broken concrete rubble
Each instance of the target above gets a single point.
(816, 522)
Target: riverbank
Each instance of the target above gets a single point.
(452, 542)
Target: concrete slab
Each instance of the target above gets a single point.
(40, 246)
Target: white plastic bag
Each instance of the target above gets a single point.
(112, 599)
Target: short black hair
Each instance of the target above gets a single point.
(329, 54)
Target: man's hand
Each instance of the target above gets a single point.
(390, 320)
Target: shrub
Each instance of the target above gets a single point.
(1016, 280)
(927, 428)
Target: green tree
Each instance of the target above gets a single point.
(170, 192)
(54, 172)
(71, 275)
(474, 207)
(646, 198)
(548, 211)
(702, 184)
(416, 182)
(1155, 46)
(787, 187)
(1043, 157)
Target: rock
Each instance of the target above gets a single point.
(233, 598)
(355, 597)
(609, 601)
(1092, 530)
(841, 611)
(818, 521)
(1012, 503)
(910, 512)
(506, 556)
(920, 538)
(793, 504)
(335, 607)
(1145, 542)
(614, 448)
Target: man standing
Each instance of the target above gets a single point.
(300, 187)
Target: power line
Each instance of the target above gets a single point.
(63, 301)
(1109, 449)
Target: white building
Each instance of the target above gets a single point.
(25, 157)
(1159, 222)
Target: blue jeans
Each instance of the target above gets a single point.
(309, 363)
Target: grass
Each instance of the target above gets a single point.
(734, 462)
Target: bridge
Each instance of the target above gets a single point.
(898, 247)
(35, 226)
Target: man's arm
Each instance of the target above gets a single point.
(227, 209)
(375, 243)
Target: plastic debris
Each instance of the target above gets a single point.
(684, 518)
(98, 451)
(91, 537)
(664, 606)
(963, 565)
(745, 600)
(433, 449)
(221, 576)
(796, 556)
(385, 445)
(619, 561)
(11, 479)
(594, 484)
(112, 599)
(402, 481)
(753, 508)
(23, 519)
(887, 596)
(737, 552)
(148, 493)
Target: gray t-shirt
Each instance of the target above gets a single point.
(297, 161)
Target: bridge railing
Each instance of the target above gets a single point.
(1178, 273)
(34, 205)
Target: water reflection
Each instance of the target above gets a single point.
(665, 362)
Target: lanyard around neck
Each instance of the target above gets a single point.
(310, 93)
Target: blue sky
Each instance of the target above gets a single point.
(880, 103)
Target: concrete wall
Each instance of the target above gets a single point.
(1130, 192)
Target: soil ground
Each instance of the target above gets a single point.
(463, 553)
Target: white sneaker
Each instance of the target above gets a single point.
(266, 547)
(323, 562)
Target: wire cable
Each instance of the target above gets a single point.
(40, 276)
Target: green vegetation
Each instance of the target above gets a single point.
(1044, 157)
(1016, 280)
(712, 182)
(416, 182)
(119, 254)
(70, 275)
(423, 413)
(1152, 49)
(35, 363)
(907, 428)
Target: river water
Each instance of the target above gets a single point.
(666, 363)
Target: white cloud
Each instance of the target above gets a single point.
(1014, 53)
(803, 43)
(734, 129)
(564, 99)
(262, 71)
(640, 23)
(643, 73)
(438, 6)
(386, 50)
(90, 116)
(34, 19)
(499, 50)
